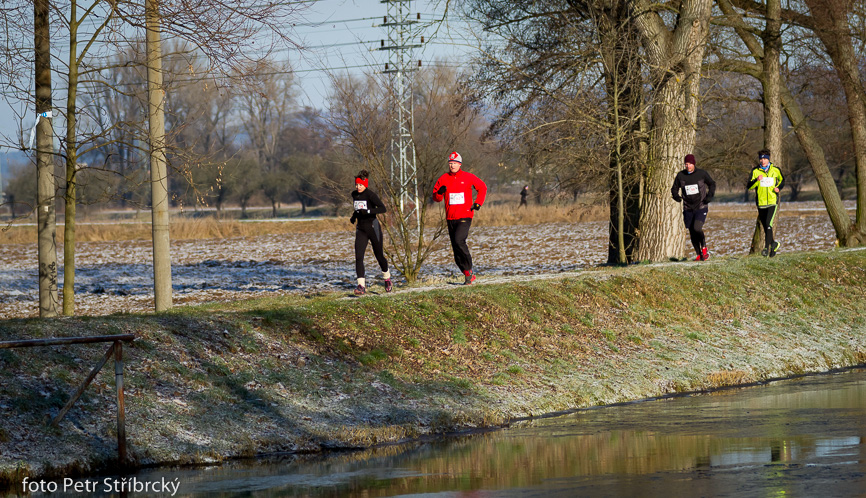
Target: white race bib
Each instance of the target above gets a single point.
(359, 205)
(768, 181)
(456, 198)
(692, 190)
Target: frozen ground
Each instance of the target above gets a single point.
(116, 277)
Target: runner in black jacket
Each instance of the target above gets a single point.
(695, 189)
(367, 205)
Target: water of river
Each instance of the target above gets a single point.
(800, 437)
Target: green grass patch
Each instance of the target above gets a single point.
(373, 357)
(696, 336)
(459, 335)
(515, 370)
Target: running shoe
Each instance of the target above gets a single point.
(775, 248)
(704, 254)
(765, 252)
(468, 279)
(388, 285)
(360, 290)
(698, 258)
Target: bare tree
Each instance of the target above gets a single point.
(619, 49)
(829, 20)
(267, 107)
(46, 225)
(583, 58)
(674, 55)
(811, 146)
(550, 45)
(76, 58)
(444, 121)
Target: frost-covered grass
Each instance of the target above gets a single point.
(305, 373)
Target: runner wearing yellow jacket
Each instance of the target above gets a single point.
(767, 179)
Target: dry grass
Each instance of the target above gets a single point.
(727, 378)
(506, 215)
(181, 229)
(215, 228)
(494, 213)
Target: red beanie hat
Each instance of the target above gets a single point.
(690, 159)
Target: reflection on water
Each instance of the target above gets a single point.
(800, 437)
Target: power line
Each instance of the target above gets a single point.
(340, 21)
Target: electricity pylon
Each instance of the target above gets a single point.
(401, 67)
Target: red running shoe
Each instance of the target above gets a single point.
(388, 285)
(704, 254)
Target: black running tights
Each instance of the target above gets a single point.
(369, 232)
(694, 221)
(767, 216)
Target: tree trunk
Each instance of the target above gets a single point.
(675, 58)
(671, 138)
(757, 238)
(71, 166)
(623, 82)
(771, 84)
(815, 154)
(45, 185)
(158, 170)
(831, 26)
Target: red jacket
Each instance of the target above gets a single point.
(458, 194)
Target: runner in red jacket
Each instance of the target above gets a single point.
(455, 187)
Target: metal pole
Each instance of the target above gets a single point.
(121, 415)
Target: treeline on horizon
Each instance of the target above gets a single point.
(244, 149)
(570, 98)
(246, 141)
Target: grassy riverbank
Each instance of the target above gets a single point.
(318, 372)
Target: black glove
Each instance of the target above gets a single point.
(475, 207)
(352, 219)
(708, 200)
(441, 190)
(678, 198)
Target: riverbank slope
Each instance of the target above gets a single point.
(307, 373)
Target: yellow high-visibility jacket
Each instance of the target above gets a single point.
(773, 179)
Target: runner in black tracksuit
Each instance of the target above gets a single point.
(695, 189)
(367, 205)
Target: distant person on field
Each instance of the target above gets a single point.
(367, 205)
(523, 194)
(695, 189)
(767, 181)
(455, 187)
